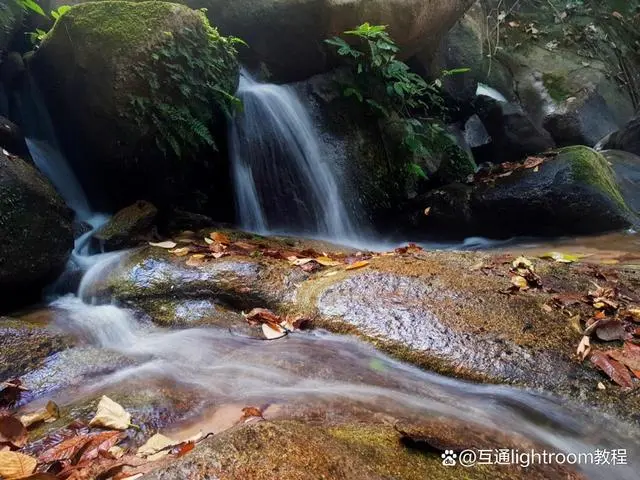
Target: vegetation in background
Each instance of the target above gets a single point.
(183, 80)
(391, 91)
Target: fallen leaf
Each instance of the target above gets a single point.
(520, 282)
(584, 347)
(48, 413)
(97, 446)
(561, 257)
(331, 274)
(155, 444)
(293, 260)
(262, 315)
(14, 465)
(196, 259)
(11, 392)
(250, 412)
(610, 329)
(533, 162)
(12, 432)
(208, 241)
(601, 386)
(110, 415)
(183, 448)
(613, 369)
(167, 244)
(522, 262)
(327, 262)
(116, 452)
(629, 356)
(220, 238)
(273, 332)
(65, 450)
(180, 252)
(427, 211)
(356, 265)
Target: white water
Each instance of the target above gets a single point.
(488, 91)
(282, 182)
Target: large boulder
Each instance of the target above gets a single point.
(627, 138)
(575, 192)
(11, 15)
(287, 35)
(136, 91)
(35, 231)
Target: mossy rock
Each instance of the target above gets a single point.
(127, 226)
(11, 15)
(133, 89)
(36, 236)
(575, 191)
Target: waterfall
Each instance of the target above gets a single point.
(282, 181)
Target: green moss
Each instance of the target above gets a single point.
(555, 86)
(591, 168)
(456, 166)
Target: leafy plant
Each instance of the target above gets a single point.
(61, 10)
(31, 5)
(390, 90)
(186, 82)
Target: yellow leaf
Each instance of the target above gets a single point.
(168, 244)
(273, 333)
(111, 415)
(360, 264)
(180, 252)
(327, 262)
(196, 259)
(300, 261)
(561, 257)
(520, 282)
(331, 274)
(158, 443)
(14, 465)
(46, 414)
(523, 262)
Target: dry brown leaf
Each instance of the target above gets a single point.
(220, 238)
(610, 329)
(12, 432)
(629, 356)
(520, 282)
(356, 265)
(97, 445)
(180, 252)
(155, 444)
(196, 259)
(251, 412)
(613, 369)
(14, 465)
(262, 315)
(427, 211)
(110, 415)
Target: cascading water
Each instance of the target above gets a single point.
(282, 182)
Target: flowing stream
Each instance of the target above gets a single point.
(280, 174)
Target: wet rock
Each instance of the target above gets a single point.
(11, 138)
(26, 345)
(35, 231)
(627, 169)
(584, 120)
(514, 135)
(127, 227)
(549, 201)
(12, 70)
(627, 138)
(290, 450)
(11, 15)
(95, 67)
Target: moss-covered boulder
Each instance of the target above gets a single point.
(127, 227)
(36, 236)
(138, 94)
(573, 192)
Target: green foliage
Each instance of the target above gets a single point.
(61, 10)
(184, 88)
(390, 90)
(31, 5)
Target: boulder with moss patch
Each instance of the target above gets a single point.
(138, 94)
(573, 192)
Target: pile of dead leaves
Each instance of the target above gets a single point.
(101, 449)
(614, 319)
(523, 276)
(274, 326)
(493, 172)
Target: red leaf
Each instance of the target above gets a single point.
(614, 370)
(629, 356)
(100, 442)
(65, 450)
(184, 448)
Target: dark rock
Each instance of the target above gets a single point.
(550, 201)
(627, 169)
(184, 220)
(12, 70)
(581, 121)
(627, 138)
(36, 235)
(11, 138)
(514, 136)
(127, 227)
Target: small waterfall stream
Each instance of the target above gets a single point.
(282, 181)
